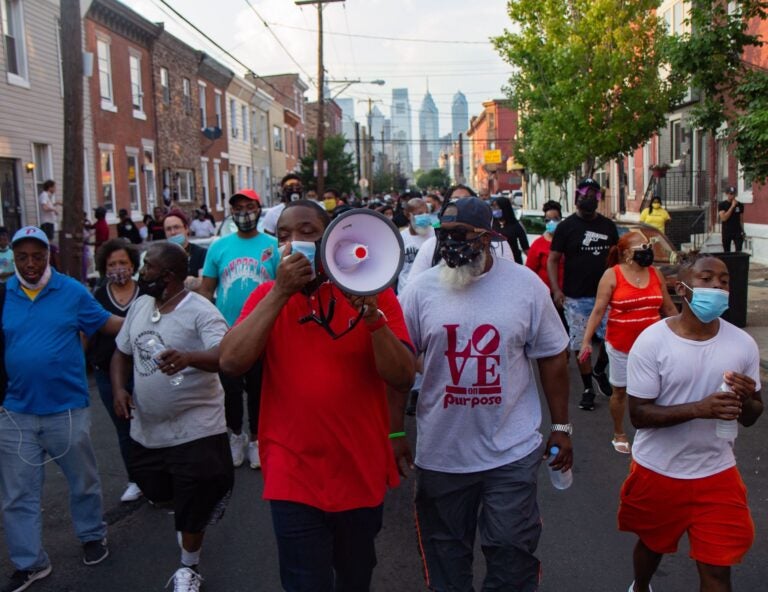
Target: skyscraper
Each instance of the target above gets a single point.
(348, 125)
(460, 125)
(401, 131)
(428, 134)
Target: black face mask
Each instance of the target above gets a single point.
(643, 257)
(460, 252)
(587, 204)
(291, 194)
(154, 288)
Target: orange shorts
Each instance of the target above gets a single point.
(712, 510)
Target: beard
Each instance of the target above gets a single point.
(458, 278)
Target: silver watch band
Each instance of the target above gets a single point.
(562, 427)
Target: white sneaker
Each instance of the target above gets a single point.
(131, 493)
(185, 579)
(632, 587)
(253, 455)
(237, 446)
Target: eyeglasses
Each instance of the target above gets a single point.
(457, 234)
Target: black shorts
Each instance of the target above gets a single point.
(196, 476)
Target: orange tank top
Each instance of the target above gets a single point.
(632, 309)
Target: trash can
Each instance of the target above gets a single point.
(738, 269)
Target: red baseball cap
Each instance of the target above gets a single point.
(248, 194)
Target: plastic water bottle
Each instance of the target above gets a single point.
(560, 479)
(156, 349)
(727, 429)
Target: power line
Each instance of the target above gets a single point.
(226, 53)
(280, 43)
(382, 38)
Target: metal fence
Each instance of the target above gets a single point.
(678, 188)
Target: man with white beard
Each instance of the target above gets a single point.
(478, 415)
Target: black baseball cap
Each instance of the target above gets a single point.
(731, 190)
(472, 211)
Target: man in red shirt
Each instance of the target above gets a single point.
(100, 227)
(323, 430)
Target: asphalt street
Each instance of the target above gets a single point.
(581, 548)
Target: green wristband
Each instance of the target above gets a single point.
(394, 435)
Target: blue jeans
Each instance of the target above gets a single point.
(325, 551)
(25, 440)
(122, 426)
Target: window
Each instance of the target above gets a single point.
(217, 108)
(134, 192)
(491, 121)
(244, 121)
(240, 178)
(15, 43)
(233, 116)
(204, 180)
(631, 175)
(254, 128)
(249, 176)
(186, 87)
(165, 86)
(400, 109)
(107, 181)
(217, 182)
(676, 144)
(43, 165)
(201, 92)
(677, 10)
(185, 185)
(137, 95)
(149, 176)
(105, 74)
(744, 185)
(263, 131)
(277, 138)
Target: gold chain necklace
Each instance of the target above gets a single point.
(156, 314)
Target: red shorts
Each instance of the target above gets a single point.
(712, 510)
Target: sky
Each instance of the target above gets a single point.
(440, 43)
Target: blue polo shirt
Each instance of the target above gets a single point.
(43, 354)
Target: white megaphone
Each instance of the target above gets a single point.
(362, 252)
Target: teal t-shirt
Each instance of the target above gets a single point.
(240, 265)
(6, 262)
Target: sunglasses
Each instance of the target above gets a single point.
(584, 190)
(457, 234)
(643, 247)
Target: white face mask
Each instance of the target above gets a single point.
(44, 279)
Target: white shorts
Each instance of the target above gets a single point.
(617, 361)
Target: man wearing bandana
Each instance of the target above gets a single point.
(583, 239)
(234, 267)
(45, 412)
(325, 431)
(478, 413)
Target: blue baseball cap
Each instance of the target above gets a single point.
(32, 232)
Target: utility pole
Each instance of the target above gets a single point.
(71, 235)
(357, 150)
(320, 93)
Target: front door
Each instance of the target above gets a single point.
(9, 194)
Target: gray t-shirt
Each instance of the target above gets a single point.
(479, 406)
(167, 415)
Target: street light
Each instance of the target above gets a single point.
(347, 83)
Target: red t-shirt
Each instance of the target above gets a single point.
(324, 421)
(101, 234)
(537, 260)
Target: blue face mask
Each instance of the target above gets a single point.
(497, 214)
(422, 221)
(177, 239)
(707, 303)
(551, 225)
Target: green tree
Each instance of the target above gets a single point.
(341, 168)
(433, 178)
(711, 59)
(386, 181)
(587, 81)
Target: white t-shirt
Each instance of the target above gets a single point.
(411, 245)
(167, 415)
(202, 228)
(52, 217)
(271, 217)
(479, 406)
(673, 371)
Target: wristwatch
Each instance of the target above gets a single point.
(566, 428)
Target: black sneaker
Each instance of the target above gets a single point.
(95, 552)
(587, 400)
(603, 384)
(23, 579)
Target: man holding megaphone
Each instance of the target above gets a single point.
(329, 356)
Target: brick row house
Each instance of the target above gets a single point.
(494, 129)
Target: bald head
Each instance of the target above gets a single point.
(170, 256)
